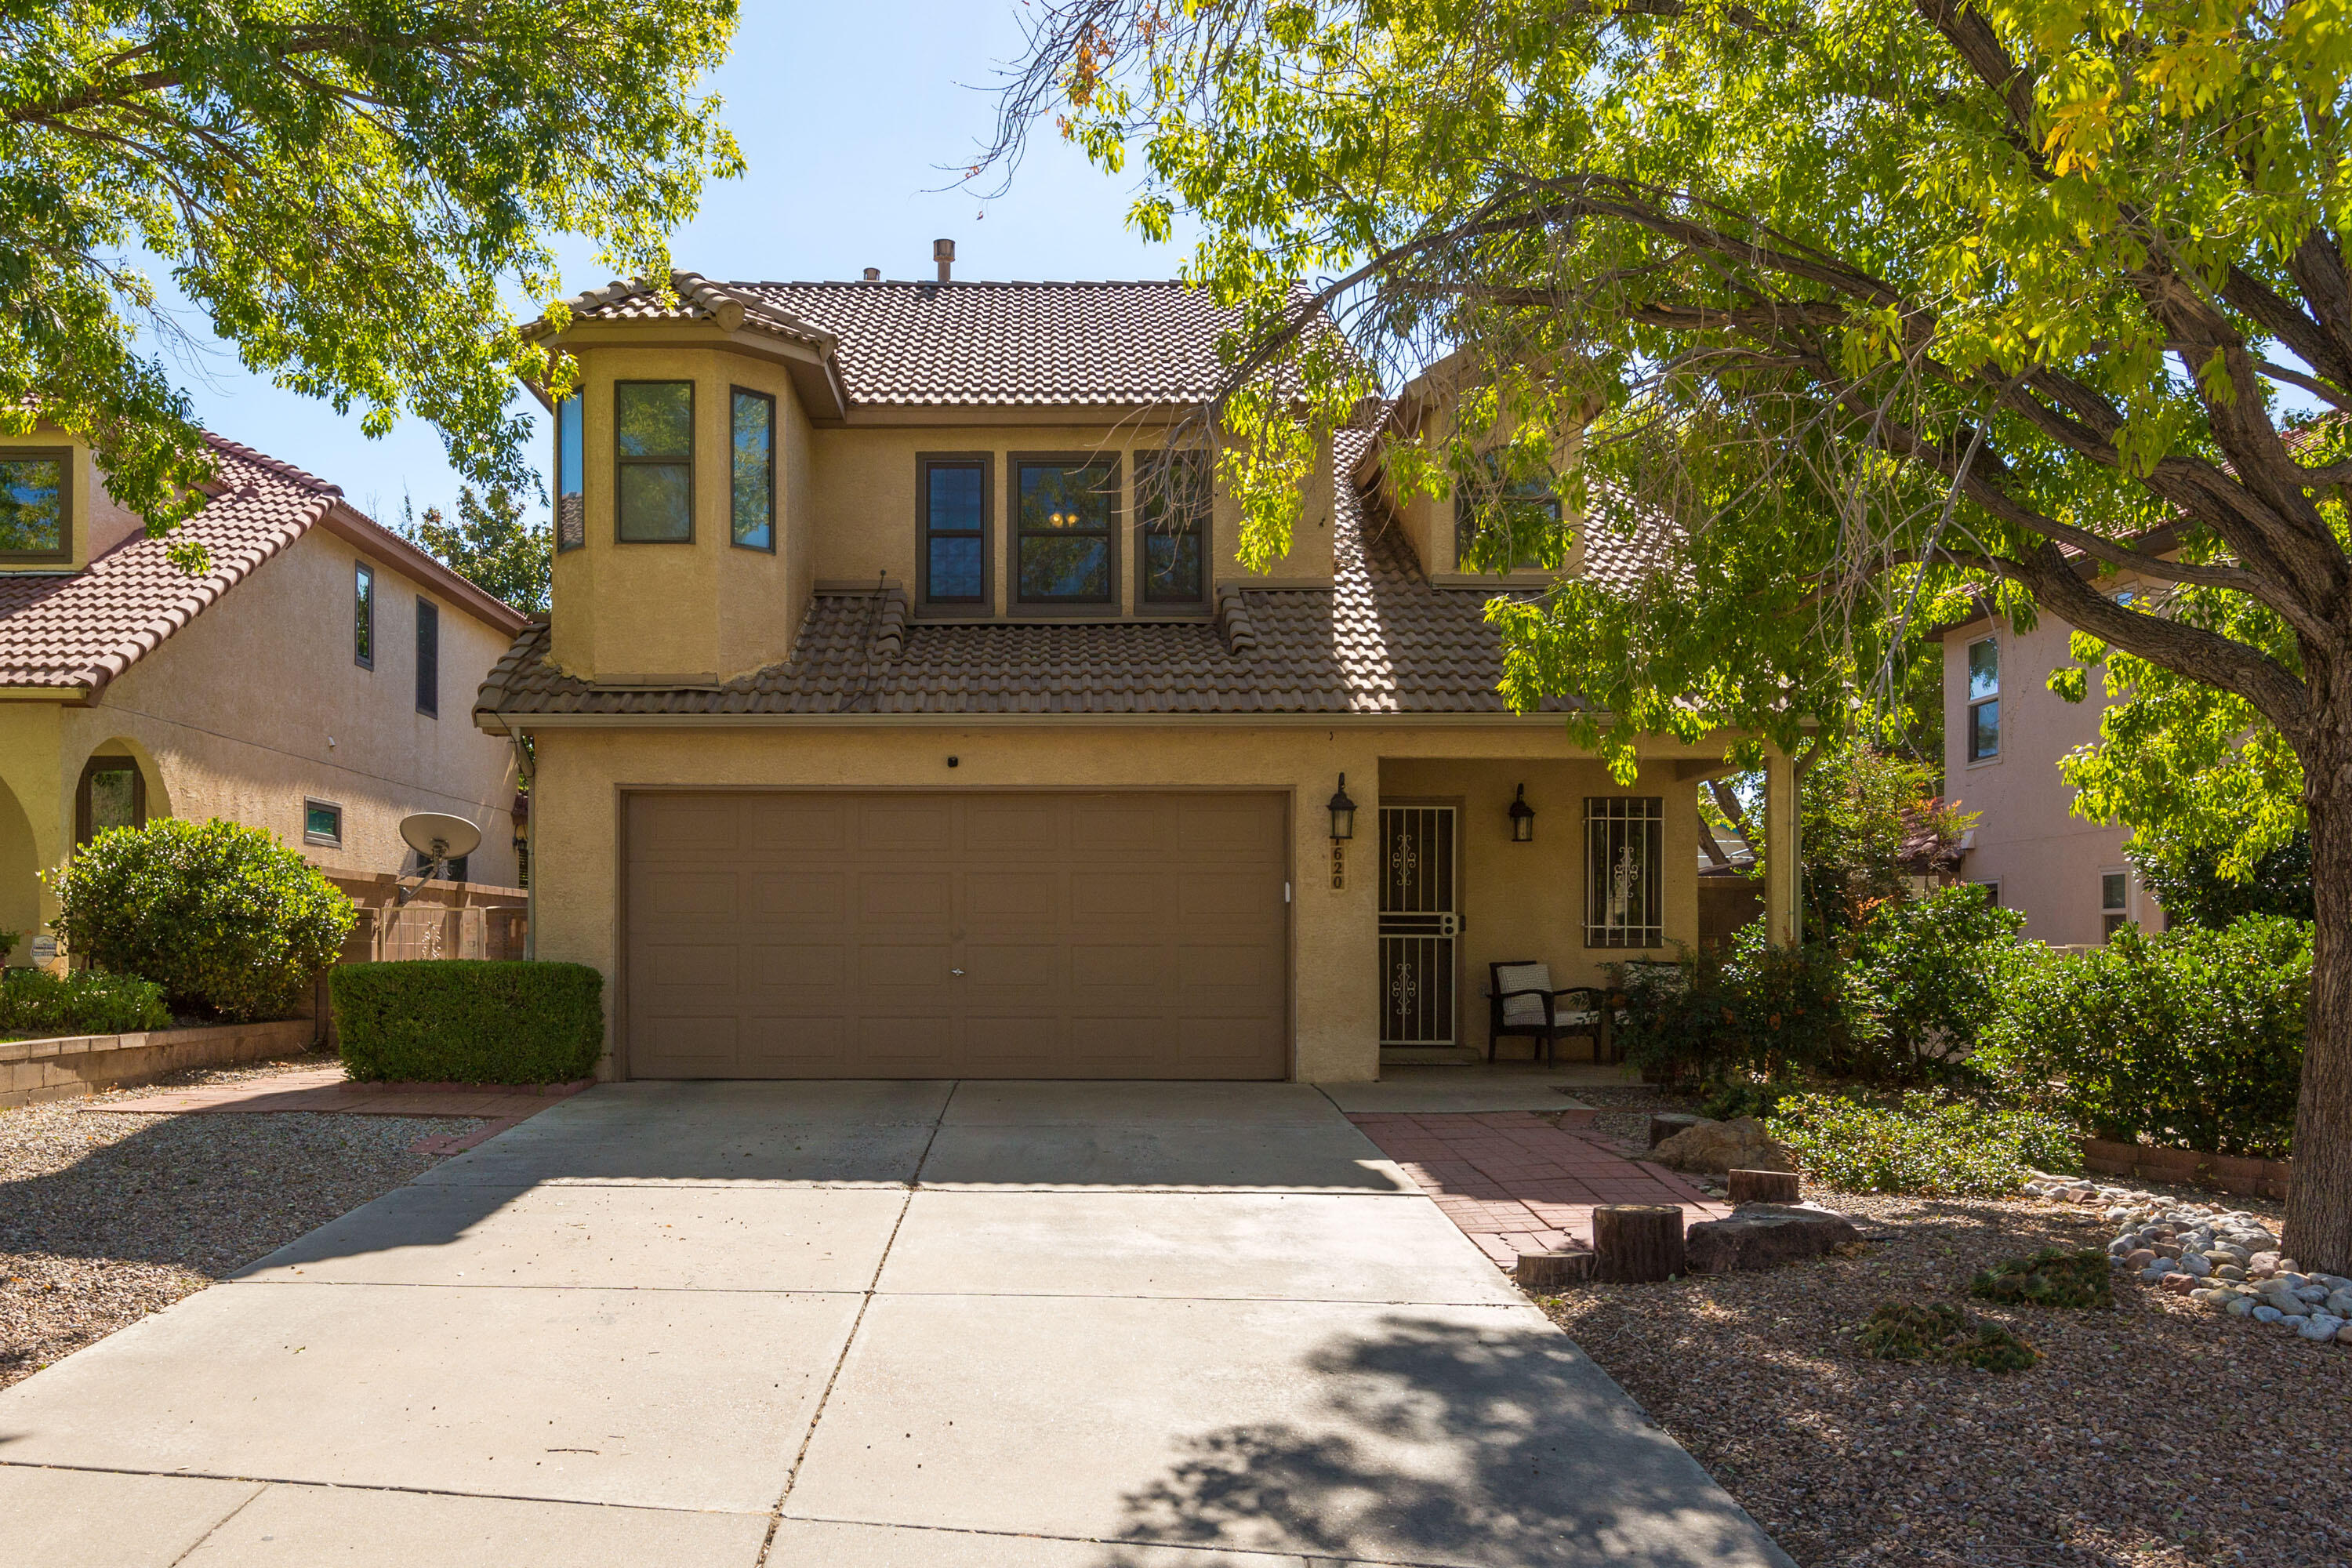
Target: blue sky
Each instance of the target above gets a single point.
(844, 113)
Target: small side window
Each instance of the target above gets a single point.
(753, 469)
(36, 507)
(1172, 508)
(113, 793)
(571, 494)
(428, 658)
(322, 823)
(1503, 518)
(363, 616)
(951, 518)
(2115, 903)
(1984, 700)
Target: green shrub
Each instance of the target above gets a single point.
(453, 1020)
(2052, 1277)
(1929, 967)
(36, 1004)
(2191, 1038)
(1911, 1330)
(229, 922)
(1925, 1145)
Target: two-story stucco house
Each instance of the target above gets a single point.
(889, 726)
(2004, 731)
(314, 681)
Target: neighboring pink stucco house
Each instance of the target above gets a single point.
(2004, 731)
(317, 681)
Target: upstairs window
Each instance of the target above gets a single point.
(571, 494)
(1624, 856)
(1174, 508)
(653, 456)
(1501, 519)
(36, 507)
(753, 468)
(322, 823)
(951, 515)
(363, 616)
(1984, 700)
(113, 793)
(428, 658)
(1064, 538)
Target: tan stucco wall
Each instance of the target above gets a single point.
(2046, 860)
(1520, 899)
(231, 717)
(705, 608)
(1527, 901)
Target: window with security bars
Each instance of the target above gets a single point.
(1624, 854)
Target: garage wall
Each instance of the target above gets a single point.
(583, 773)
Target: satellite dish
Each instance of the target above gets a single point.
(437, 836)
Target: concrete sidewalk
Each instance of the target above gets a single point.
(1073, 1325)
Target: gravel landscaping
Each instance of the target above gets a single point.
(105, 1218)
(2159, 1432)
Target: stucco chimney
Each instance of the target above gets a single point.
(874, 275)
(943, 252)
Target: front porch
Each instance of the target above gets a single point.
(1481, 862)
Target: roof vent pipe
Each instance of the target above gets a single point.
(943, 252)
(874, 275)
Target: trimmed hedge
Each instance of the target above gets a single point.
(37, 1005)
(457, 1020)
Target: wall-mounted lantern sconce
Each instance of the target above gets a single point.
(1343, 811)
(1523, 818)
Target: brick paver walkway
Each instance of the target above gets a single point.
(1514, 1183)
(326, 1091)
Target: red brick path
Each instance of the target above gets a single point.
(1514, 1183)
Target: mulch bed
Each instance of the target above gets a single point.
(2156, 1433)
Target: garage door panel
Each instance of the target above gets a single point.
(1016, 898)
(793, 896)
(903, 897)
(817, 935)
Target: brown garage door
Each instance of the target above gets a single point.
(916, 935)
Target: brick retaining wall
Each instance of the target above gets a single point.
(61, 1068)
(2188, 1167)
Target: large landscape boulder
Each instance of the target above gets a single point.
(1714, 1147)
(1764, 1236)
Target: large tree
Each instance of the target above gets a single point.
(1871, 300)
(490, 545)
(351, 192)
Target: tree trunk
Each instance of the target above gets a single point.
(1637, 1243)
(2319, 1204)
(1762, 1186)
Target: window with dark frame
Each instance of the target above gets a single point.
(1624, 856)
(1065, 531)
(571, 468)
(1991, 892)
(322, 823)
(37, 506)
(112, 794)
(2115, 903)
(363, 616)
(1525, 507)
(1174, 508)
(752, 468)
(952, 511)
(1984, 700)
(653, 459)
(428, 658)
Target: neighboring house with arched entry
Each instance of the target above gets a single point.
(315, 680)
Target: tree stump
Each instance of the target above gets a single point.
(1637, 1243)
(1553, 1270)
(1763, 1187)
(1664, 1124)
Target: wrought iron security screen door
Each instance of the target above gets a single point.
(1418, 923)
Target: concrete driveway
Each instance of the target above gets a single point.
(953, 1325)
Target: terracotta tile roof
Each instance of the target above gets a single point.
(1005, 343)
(1383, 641)
(87, 627)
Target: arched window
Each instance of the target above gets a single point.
(112, 794)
